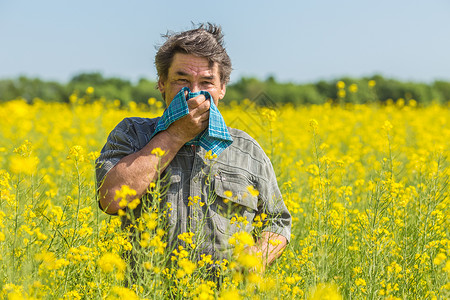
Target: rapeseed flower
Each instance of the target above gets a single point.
(187, 267)
(251, 189)
(353, 88)
(23, 165)
(340, 85)
(440, 258)
(359, 189)
(122, 293)
(230, 294)
(209, 155)
(228, 194)
(325, 292)
(158, 152)
(89, 90)
(186, 237)
(110, 262)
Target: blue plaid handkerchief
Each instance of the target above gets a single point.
(215, 138)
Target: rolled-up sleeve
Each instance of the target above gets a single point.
(120, 143)
(278, 217)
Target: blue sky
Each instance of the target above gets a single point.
(298, 41)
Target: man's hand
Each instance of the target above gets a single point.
(270, 245)
(188, 127)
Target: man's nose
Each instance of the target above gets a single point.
(194, 87)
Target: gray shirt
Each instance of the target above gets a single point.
(239, 167)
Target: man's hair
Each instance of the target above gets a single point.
(204, 41)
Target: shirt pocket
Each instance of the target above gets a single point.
(234, 206)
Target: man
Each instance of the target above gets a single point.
(197, 60)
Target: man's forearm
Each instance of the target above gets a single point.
(137, 170)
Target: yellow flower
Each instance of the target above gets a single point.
(387, 126)
(447, 267)
(268, 284)
(254, 192)
(150, 220)
(147, 265)
(353, 88)
(90, 90)
(204, 291)
(274, 242)
(23, 165)
(238, 220)
(25, 149)
(412, 103)
(124, 192)
(313, 123)
(186, 237)
(232, 294)
(341, 93)
(193, 200)
(257, 221)
(371, 83)
(158, 152)
(73, 295)
(228, 194)
(110, 262)
(439, 259)
(360, 282)
(122, 293)
(73, 98)
(269, 114)
(340, 84)
(187, 266)
(240, 240)
(249, 260)
(209, 155)
(157, 242)
(76, 153)
(93, 155)
(49, 260)
(325, 291)
(133, 204)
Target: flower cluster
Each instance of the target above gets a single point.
(367, 187)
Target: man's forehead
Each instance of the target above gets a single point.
(188, 64)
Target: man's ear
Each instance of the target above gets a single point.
(222, 91)
(162, 88)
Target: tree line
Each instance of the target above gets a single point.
(343, 90)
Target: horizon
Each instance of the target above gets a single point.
(135, 82)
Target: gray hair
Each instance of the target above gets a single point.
(204, 41)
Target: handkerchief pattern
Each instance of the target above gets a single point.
(215, 138)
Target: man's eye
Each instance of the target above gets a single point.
(207, 83)
(182, 80)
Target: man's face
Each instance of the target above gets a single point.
(194, 72)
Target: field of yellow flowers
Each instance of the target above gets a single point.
(367, 186)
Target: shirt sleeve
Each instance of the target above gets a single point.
(120, 143)
(279, 219)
